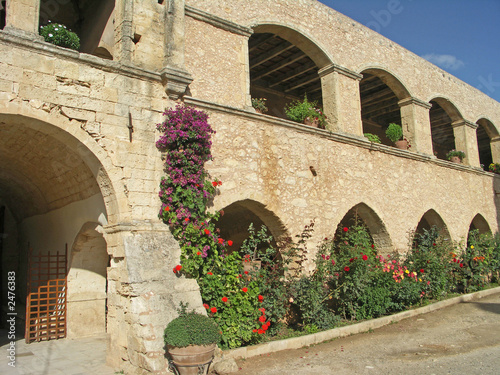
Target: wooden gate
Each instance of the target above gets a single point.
(46, 301)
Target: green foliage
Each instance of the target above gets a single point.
(191, 328)
(260, 104)
(372, 137)
(394, 132)
(60, 36)
(494, 167)
(298, 111)
(452, 153)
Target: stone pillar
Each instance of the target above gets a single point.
(466, 141)
(174, 76)
(416, 124)
(124, 34)
(143, 294)
(341, 100)
(495, 149)
(22, 17)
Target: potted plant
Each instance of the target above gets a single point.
(395, 134)
(59, 35)
(455, 156)
(495, 168)
(306, 112)
(372, 137)
(260, 105)
(191, 339)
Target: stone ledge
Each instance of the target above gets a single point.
(316, 338)
(218, 22)
(349, 139)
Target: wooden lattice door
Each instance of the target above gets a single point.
(46, 301)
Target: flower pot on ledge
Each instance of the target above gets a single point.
(314, 123)
(401, 144)
(456, 159)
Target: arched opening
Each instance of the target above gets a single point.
(50, 187)
(284, 67)
(233, 225)
(91, 20)
(432, 219)
(485, 132)
(363, 214)
(480, 224)
(3, 14)
(380, 93)
(87, 283)
(442, 114)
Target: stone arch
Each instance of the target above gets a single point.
(87, 287)
(480, 224)
(3, 14)
(238, 215)
(92, 21)
(485, 133)
(380, 93)
(432, 218)
(443, 114)
(284, 65)
(362, 212)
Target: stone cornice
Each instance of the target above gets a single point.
(463, 122)
(136, 226)
(411, 100)
(341, 70)
(335, 137)
(218, 22)
(176, 81)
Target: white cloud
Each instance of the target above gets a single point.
(444, 61)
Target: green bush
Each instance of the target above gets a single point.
(372, 137)
(191, 329)
(298, 111)
(60, 36)
(394, 132)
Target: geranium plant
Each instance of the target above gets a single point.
(300, 110)
(452, 153)
(60, 35)
(494, 167)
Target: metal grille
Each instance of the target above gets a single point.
(46, 301)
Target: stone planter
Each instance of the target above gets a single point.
(191, 360)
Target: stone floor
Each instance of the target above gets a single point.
(83, 356)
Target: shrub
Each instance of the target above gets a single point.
(60, 36)
(452, 153)
(494, 167)
(372, 137)
(298, 111)
(394, 132)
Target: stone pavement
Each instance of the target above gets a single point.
(83, 356)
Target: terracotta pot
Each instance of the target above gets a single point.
(258, 110)
(193, 359)
(402, 144)
(456, 159)
(314, 123)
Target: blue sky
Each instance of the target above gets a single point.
(460, 36)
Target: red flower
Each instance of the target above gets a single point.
(213, 310)
(365, 257)
(422, 270)
(346, 269)
(229, 243)
(214, 183)
(198, 253)
(224, 299)
(207, 231)
(244, 289)
(268, 323)
(261, 298)
(206, 306)
(246, 272)
(177, 268)
(461, 265)
(263, 310)
(351, 260)
(346, 229)
(186, 219)
(333, 262)
(175, 271)
(262, 318)
(167, 208)
(219, 183)
(254, 330)
(260, 331)
(264, 327)
(433, 244)
(209, 273)
(220, 240)
(373, 246)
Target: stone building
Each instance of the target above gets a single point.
(79, 167)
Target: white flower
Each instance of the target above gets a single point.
(51, 35)
(56, 29)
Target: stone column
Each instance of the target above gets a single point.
(143, 294)
(22, 17)
(124, 33)
(416, 124)
(341, 100)
(466, 141)
(495, 149)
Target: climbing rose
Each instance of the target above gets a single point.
(213, 310)
(346, 229)
(229, 243)
(224, 299)
(245, 289)
(365, 257)
(346, 269)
